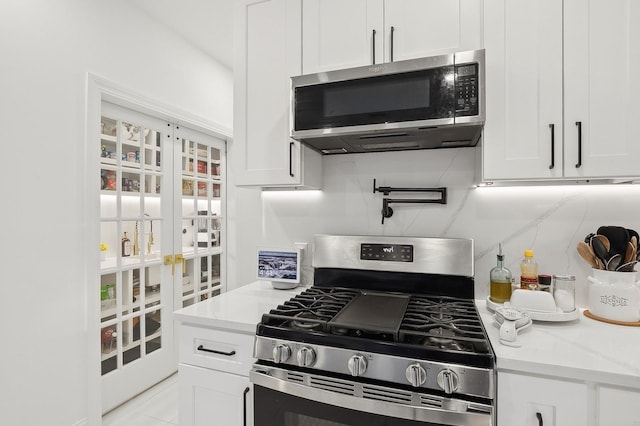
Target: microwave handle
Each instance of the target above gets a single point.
(373, 47)
(391, 40)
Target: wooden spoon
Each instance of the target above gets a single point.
(585, 251)
(630, 254)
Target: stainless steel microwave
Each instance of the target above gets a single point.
(432, 102)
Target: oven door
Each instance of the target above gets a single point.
(292, 398)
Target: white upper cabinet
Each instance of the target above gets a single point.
(602, 88)
(267, 52)
(417, 28)
(546, 122)
(339, 34)
(523, 51)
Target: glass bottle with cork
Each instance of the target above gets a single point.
(500, 280)
(528, 272)
(126, 246)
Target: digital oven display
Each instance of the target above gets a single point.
(387, 252)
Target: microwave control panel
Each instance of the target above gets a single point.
(467, 89)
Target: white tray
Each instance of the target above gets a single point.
(557, 316)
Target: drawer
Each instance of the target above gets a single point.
(216, 349)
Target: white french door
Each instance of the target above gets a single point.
(161, 228)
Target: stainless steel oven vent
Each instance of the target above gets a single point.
(333, 385)
(384, 394)
(295, 377)
(430, 401)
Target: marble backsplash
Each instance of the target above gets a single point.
(548, 219)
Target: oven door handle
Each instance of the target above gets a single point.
(481, 416)
(244, 406)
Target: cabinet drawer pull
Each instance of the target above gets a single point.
(539, 416)
(553, 146)
(244, 406)
(391, 36)
(373, 47)
(202, 348)
(579, 124)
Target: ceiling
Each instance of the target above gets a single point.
(206, 24)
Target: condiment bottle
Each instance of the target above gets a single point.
(126, 245)
(500, 281)
(528, 272)
(544, 283)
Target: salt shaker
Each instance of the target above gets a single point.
(564, 292)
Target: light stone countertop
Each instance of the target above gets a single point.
(583, 349)
(237, 310)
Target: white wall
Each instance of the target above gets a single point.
(550, 220)
(46, 49)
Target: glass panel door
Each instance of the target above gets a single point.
(135, 298)
(201, 172)
(161, 196)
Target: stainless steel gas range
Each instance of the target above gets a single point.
(388, 335)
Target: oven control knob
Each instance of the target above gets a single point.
(416, 375)
(357, 365)
(281, 353)
(306, 357)
(448, 381)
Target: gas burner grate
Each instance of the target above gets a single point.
(432, 323)
(310, 310)
(444, 323)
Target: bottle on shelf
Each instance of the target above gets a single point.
(126, 245)
(528, 272)
(500, 280)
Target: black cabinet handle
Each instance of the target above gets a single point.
(290, 159)
(373, 47)
(244, 407)
(539, 416)
(391, 36)
(202, 348)
(553, 146)
(579, 124)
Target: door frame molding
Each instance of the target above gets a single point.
(98, 89)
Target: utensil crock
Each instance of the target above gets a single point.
(614, 295)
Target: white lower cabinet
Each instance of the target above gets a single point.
(618, 407)
(214, 398)
(532, 401)
(213, 376)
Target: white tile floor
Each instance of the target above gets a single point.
(157, 406)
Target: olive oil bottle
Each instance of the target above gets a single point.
(500, 281)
